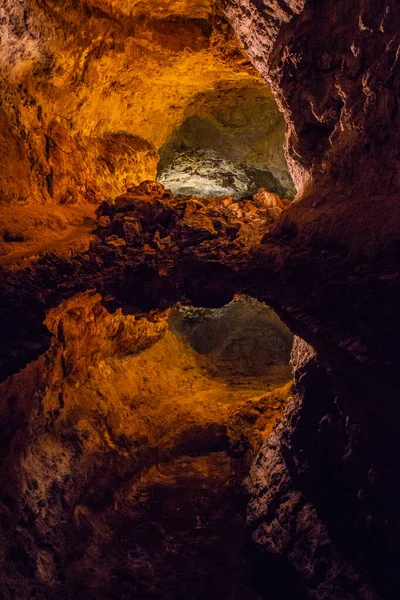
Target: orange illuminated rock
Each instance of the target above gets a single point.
(133, 446)
(271, 202)
(91, 91)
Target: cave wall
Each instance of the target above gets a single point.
(81, 120)
(324, 485)
(333, 69)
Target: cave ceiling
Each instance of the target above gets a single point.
(92, 90)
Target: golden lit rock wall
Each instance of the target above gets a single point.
(93, 428)
(91, 91)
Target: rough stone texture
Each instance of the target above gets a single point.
(205, 173)
(333, 69)
(122, 461)
(240, 125)
(325, 485)
(80, 118)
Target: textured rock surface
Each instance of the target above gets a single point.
(80, 117)
(324, 486)
(336, 81)
(130, 484)
(204, 173)
(228, 132)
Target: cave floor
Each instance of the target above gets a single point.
(29, 232)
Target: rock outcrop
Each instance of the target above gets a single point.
(325, 484)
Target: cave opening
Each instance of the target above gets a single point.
(230, 142)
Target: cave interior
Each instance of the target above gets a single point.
(199, 300)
